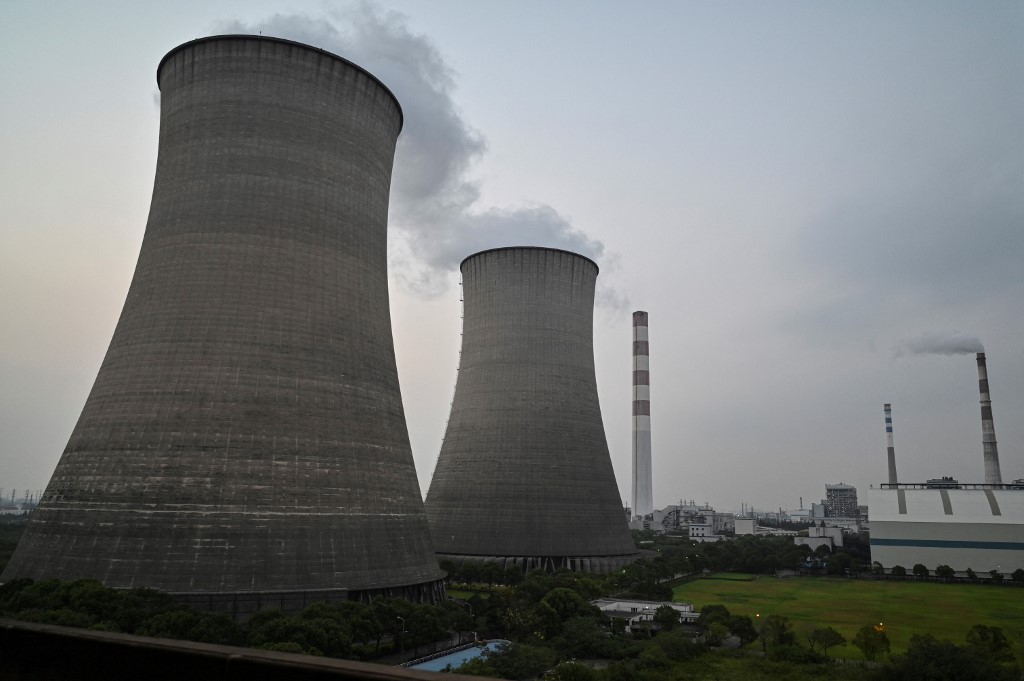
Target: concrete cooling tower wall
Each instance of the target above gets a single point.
(245, 444)
(524, 476)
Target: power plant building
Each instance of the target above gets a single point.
(944, 522)
(525, 446)
(244, 444)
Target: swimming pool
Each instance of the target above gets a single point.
(457, 658)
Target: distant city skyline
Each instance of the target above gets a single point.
(801, 194)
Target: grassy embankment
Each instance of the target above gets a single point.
(906, 608)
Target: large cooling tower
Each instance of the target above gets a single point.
(524, 476)
(245, 444)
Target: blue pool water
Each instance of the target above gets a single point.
(455, 659)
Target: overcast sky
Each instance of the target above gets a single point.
(801, 195)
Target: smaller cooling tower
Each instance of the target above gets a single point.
(988, 428)
(524, 476)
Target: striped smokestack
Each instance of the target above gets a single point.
(888, 441)
(643, 496)
(988, 429)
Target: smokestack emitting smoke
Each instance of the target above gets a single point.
(888, 441)
(434, 200)
(938, 344)
(643, 495)
(988, 429)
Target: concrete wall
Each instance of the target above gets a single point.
(524, 470)
(246, 433)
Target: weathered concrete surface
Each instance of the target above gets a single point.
(245, 433)
(524, 475)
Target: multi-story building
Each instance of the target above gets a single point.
(841, 501)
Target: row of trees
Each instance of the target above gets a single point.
(347, 630)
(946, 572)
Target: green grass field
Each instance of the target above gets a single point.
(907, 608)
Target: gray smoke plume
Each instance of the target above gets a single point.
(433, 197)
(938, 344)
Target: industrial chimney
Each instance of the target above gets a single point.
(244, 445)
(988, 429)
(888, 441)
(643, 501)
(524, 477)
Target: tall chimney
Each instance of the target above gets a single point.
(988, 429)
(643, 494)
(888, 441)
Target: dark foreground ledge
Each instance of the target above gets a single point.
(44, 652)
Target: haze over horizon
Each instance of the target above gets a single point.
(818, 205)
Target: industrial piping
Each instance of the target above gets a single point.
(988, 429)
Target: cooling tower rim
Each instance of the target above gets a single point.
(284, 41)
(527, 248)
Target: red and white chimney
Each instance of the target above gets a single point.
(988, 428)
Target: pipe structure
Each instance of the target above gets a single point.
(643, 483)
(524, 477)
(244, 444)
(988, 428)
(891, 451)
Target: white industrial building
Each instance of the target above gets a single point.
(821, 535)
(963, 526)
(638, 613)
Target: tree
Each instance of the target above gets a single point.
(971, 574)
(716, 633)
(572, 671)
(320, 636)
(876, 568)
(990, 642)
(920, 570)
(899, 570)
(1018, 575)
(778, 631)
(997, 576)
(928, 658)
(743, 627)
(583, 637)
(944, 571)
(666, 618)
(826, 638)
(712, 613)
(567, 603)
(511, 661)
(872, 641)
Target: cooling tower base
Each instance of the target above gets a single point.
(596, 564)
(241, 605)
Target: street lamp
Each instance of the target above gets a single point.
(401, 639)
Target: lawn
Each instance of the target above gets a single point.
(906, 608)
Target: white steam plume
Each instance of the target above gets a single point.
(941, 344)
(433, 197)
